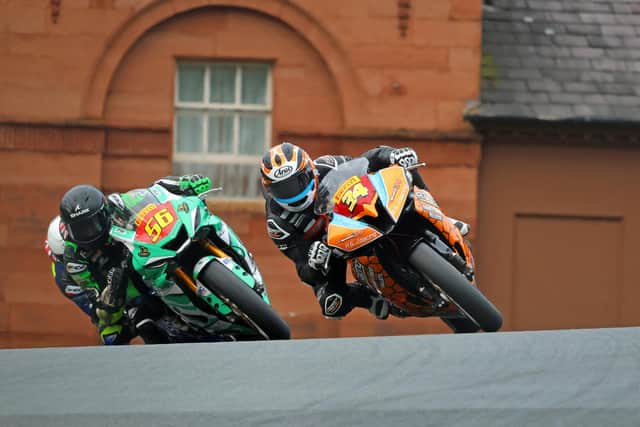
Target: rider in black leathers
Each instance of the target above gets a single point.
(290, 181)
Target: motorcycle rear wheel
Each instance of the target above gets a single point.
(245, 302)
(467, 297)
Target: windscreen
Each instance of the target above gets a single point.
(332, 181)
(135, 202)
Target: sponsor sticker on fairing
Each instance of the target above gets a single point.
(433, 213)
(202, 291)
(227, 262)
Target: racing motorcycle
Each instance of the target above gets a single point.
(197, 265)
(398, 241)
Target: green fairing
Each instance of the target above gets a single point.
(153, 218)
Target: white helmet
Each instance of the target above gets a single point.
(55, 241)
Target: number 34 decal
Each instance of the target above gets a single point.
(350, 197)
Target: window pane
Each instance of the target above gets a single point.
(252, 134)
(189, 168)
(220, 134)
(254, 84)
(191, 82)
(237, 181)
(223, 83)
(188, 133)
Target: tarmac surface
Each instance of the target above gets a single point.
(550, 378)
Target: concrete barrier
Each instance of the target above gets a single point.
(578, 377)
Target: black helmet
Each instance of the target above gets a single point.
(83, 210)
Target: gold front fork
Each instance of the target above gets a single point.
(213, 249)
(184, 277)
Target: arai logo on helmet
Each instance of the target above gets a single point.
(283, 171)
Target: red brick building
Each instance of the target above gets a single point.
(116, 93)
(559, 114)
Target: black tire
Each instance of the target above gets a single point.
(462, 326)
(432, 265)
(219, 280)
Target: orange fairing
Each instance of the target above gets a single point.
(426, 206)
(368, 270)
(348, 235)
(397, 189)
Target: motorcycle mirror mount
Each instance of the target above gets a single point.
(416, 166)
(204, 195)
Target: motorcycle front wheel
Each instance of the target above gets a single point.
(245, 302)
(431, 265)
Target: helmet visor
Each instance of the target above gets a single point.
(88, 230)
(296, 186)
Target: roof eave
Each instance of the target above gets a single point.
(479, 119)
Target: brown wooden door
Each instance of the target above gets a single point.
(558, 232)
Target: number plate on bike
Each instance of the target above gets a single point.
(155, 222)
(356, 198)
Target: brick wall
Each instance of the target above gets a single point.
(87, 98)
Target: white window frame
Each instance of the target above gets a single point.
(205, 107)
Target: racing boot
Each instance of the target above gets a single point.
(151, 333)
(144, 315)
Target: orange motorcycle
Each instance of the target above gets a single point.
(399, 242)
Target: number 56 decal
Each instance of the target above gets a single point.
(157, 224)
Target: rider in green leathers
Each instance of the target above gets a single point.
(98, 265)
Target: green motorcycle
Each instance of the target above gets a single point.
(196, 265)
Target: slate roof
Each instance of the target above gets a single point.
(574, 60)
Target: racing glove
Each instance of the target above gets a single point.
(404, 157)
(110, 303)
(197, 184)
(318, 257)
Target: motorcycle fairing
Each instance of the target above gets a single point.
(369, 270)
(393, 189)
(348, 234)
(426, 206)
(160, 226)
(356, 198)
